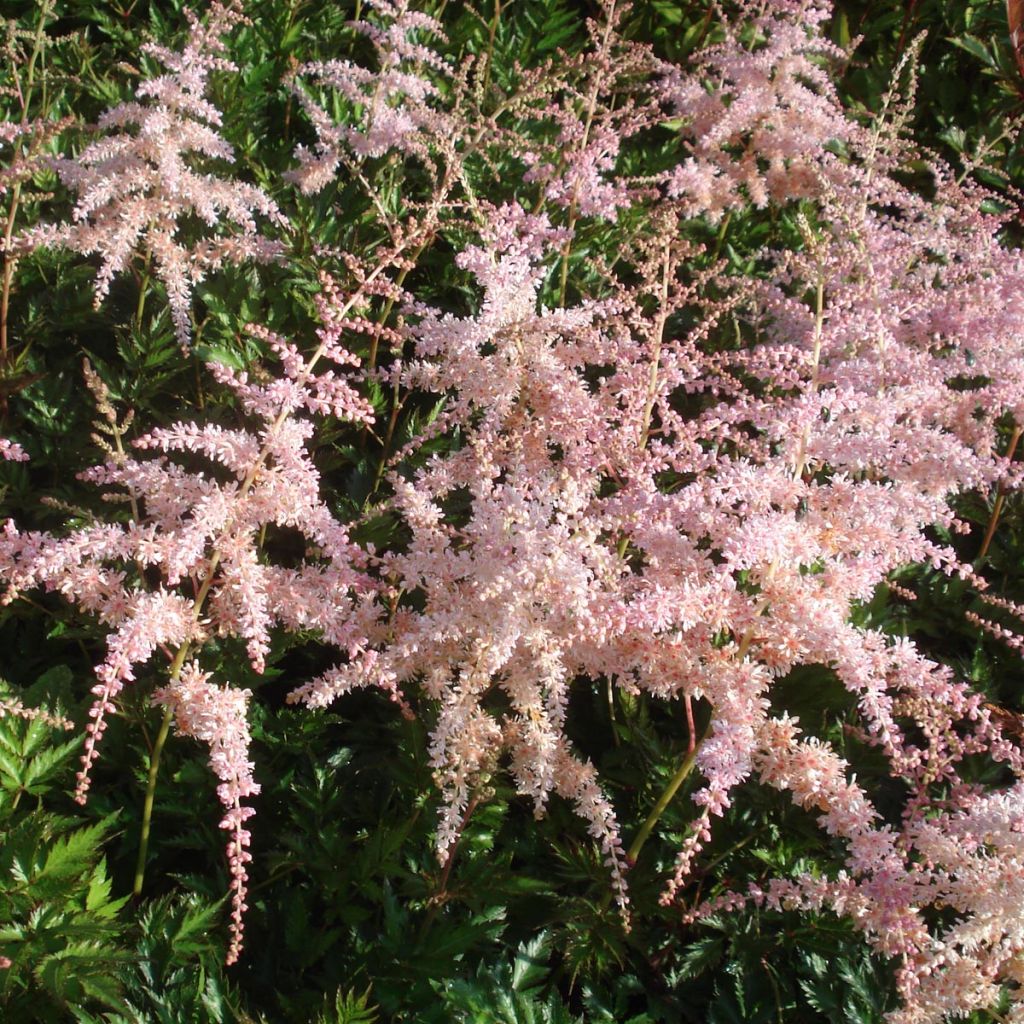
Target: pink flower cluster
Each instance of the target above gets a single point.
(200, 535)
(217, 715)
(11, 451)
(395, 97)
(12, 706)
(635, 500)
(147, 174)
(763, 132)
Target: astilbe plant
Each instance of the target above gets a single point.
(820, 462)
(150, 173)
(397, 97)
(628, 497)
(451, 649)
(200, 535)
(888, 363)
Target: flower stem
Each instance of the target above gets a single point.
(441, 895)
(997, 506)
(491, 35)
(8, 272)
(588, 124)
(147, 807)
(680, 776)
(9, 261)
(140, 308)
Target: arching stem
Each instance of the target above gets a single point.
(997, 506)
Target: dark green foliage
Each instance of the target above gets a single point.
(508, 993)
(349, 1008)
(78, 950)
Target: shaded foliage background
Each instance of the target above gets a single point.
(351, 917)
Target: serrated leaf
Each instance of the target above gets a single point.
(70, 855)
(701, 956)
(530, 966)
(47, 764)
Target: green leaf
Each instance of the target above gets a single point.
(70, 857)
(976, 48)
(701, 956)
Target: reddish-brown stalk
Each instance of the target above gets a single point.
(997, 505)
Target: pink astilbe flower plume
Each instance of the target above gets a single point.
(511, 594)
(11, 451)
(870, 329)
(217, 716)
(761, 133)
(200, 534)
(153, 169)
(606, 101)
(16, 708)
(29, 139)
(697, 520)
(397, 99)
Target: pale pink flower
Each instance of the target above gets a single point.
(12, 451)
(199, 534)
(397, 101)
(153, 169)
(217, 716)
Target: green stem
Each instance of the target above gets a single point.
(142, 300)
(396, 404)
(396, 408)
(563, 276)
(658, 334)
(275, 878)
(664, 800)
(721, 236)
(147, 807)
(610, 694)
(684, 769)
(200, 600)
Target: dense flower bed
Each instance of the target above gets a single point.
(605, 374)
